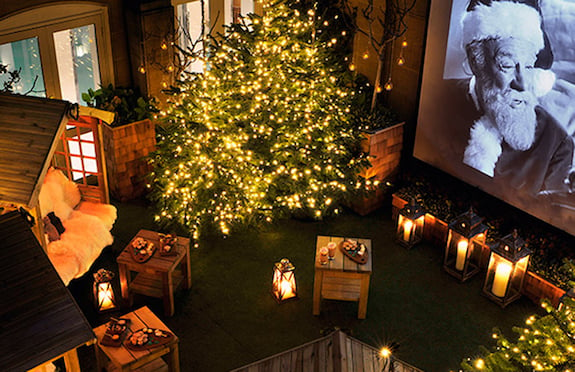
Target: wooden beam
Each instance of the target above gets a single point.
(106, 116)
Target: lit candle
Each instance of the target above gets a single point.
(407, 225)
(461, 253)
(286, 290)
(501, 279)
(105, 296)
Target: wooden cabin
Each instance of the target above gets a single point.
(336, 352)
(39, 136)
(41, 322)
(37, 133)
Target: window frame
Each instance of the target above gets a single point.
(42, 22)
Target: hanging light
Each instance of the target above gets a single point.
(388, 85)
(400, 60)
(142, 69)
(164, 44)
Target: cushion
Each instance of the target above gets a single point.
(56, 222)
(50, 230)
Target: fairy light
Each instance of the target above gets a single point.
(203, 171)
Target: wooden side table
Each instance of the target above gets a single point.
(341, 278)
(123, 359)
(160, 275)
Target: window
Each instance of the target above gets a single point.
(192, 24)
(60, 50)
(236, 8)
(24, 55)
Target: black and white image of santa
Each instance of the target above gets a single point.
(498, 107)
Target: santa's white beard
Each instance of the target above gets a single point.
(513, 113)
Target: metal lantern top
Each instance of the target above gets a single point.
(103, 276)
(412, 210)
(284, 265)
(511, 247)
(468, 224)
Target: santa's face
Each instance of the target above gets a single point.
(505, 88)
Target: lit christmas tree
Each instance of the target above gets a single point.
(265, 132)
(546, 344)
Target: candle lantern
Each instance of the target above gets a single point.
(465, 240)
(410, 224)
(283, 286)
(103, 292)
(507, 266)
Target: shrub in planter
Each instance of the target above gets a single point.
(127, 103)
(128, 140)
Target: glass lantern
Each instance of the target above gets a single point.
(466, 237)
(506, 270)
(410, 224)
(283, 284)
(103, 291)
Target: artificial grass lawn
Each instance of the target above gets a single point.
(229, 318)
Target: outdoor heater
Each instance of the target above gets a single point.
(507, 267)
(410, 224)
(466, 237)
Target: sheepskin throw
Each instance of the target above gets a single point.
(86, 225)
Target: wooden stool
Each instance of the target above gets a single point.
(124, 359)
(341, 278)
(160, 275)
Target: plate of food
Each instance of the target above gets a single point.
(115, 332)
(355, 251)
(142, 249)
(168, 244)
(148, 338)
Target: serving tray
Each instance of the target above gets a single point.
(351, 249)
(148, 338)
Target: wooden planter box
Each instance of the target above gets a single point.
(126, 148)
(384, 148)
(536, 288)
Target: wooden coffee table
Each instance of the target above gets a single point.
(341, 278)
(123, 359)
(157, 277)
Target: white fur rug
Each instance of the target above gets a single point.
(87, 226)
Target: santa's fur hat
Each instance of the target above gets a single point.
(503, 19)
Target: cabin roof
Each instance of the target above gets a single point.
(29, 129)
(40, 319)
(336, 352)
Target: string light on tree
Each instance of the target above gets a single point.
(264, 133)
(547, 343)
